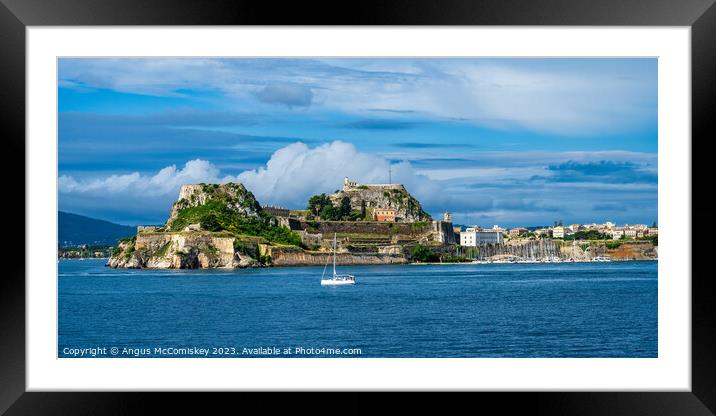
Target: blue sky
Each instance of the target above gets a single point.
(494, 141)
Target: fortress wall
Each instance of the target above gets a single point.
(291, 257)
(360, 227)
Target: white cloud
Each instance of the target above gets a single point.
(290, 177)
(166, 181)
(296, 172)
(572, 100)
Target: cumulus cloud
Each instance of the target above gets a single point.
(297, 171)
(289, 178)
(134, 198)
(166, 181)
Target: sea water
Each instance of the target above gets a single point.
(452, 310)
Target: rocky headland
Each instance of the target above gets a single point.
(224, 226)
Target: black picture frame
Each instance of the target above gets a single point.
(16, 15)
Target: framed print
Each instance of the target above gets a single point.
(474, 200)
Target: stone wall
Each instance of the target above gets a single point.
(285, 256)
(362, 227)
(444, 232)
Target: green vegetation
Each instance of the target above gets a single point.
(363, 236)
(454, 259)
(329, 212)
(418, 226)
(265, 259)
(613, 244)
(591, 235)
(128, 249)
(584, 247)
(423, 254)
(85, 251)
(316, 203)
(654, 239)
(163, 249)
(216, 215)
(322, 207)
(211, 251)
(116, 251)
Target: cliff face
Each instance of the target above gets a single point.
(370, 197)
(201, 232)
(179, 251)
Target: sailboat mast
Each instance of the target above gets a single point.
(334, 254)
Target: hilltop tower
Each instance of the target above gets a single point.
(447, 217)
(348, 184)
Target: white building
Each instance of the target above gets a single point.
(558, 232)
(498, 229)
(473, 236)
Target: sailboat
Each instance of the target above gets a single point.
(337, 279)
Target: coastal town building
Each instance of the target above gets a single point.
(384, 214)
(558, 232)
(516, 232)
(498, 229)
(474, 236)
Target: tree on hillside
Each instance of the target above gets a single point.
(345, 209)
(317, 202)
(329, 212)
(423, 254)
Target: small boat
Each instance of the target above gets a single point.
(337, 279)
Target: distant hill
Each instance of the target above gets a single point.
(76, 229)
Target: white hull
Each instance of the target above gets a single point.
(338, 279)
(331, 282)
